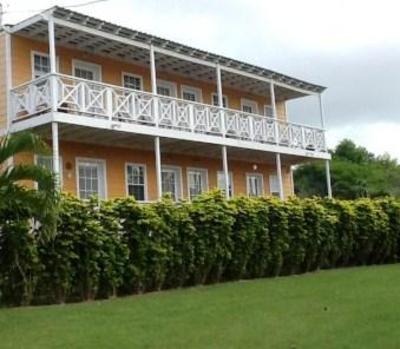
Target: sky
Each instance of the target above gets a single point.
(352, 47)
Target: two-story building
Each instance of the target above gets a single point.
(129, 113)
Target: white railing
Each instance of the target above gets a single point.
(94, 99)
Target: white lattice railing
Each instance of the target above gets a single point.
(95, 99)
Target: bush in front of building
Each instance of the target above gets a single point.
(117, 247)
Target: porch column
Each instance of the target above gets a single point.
(279, 175)
(226, 171)
(53, 63)
(274, 113)
(56, 153)
(158, 166)
(327, 162)
(224, 149)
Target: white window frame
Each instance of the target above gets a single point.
(145, 180)
(200, 170)
(272, 191)
(215, 95)
(42, 54)
(178, 170)
(140, 77)
(271, 115)
(249, 102)
(60, 163)
(170, 85)
(230, 174)
(197, 91)
(88, 66)
(257, 174)
(99, 161)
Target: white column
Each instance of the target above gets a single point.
(226, 170)
(219, 87)
(328, 179)
(274, 113)
(157, 152)
(8, 72)
(56, 152)
(53, 63)
(153, 78)
(327, 163)
(279, 175)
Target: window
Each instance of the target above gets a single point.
(134, 82)
(269, 111)
(170, 181)
(274, 185)
(249, 106)
(136, 181)
(166, 88)
(47, 162)
(86, 70)
(190, 93)
(215, 102)
(221, 182)
(254, 184)
(41, 64)
(91, 178)
(197, 182)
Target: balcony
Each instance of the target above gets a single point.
(95, 100)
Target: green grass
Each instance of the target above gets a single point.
(348, 308)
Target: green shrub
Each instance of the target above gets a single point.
(102, 248)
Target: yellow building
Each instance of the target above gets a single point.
(127, 113)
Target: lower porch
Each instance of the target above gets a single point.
(114, 164)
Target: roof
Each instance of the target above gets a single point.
(138, 36)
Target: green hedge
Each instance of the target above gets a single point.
(117, 247)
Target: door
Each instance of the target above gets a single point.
(91, 97)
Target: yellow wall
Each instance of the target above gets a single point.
(116, 158)
(112, 73)
(3, 94)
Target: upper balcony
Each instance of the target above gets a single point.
(175, 117)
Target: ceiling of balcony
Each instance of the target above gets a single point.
(96, 44)
(113, 138)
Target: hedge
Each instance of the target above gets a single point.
(107, 248)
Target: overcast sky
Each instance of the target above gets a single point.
(352, 47)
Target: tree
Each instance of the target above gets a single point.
(23, 213)
(355, 173)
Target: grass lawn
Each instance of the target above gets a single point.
(349, 308)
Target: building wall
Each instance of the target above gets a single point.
(112, 73)
(116, 159)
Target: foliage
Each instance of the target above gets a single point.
(355, 173)
(105, 248)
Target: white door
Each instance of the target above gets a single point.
(91, 97)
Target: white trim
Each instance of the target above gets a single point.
(145, 179)
(137, 76)
(98, 123)
(192, 89)
(42, 54)
(88, 159)
(272, 192)
(249, 102)
(196, 169)
(214, 94)
(88, 66)
(61, 165)
(255, 174)
(172, 86)
(230, 174)
(177, 169)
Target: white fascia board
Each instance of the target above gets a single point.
(31, 122)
